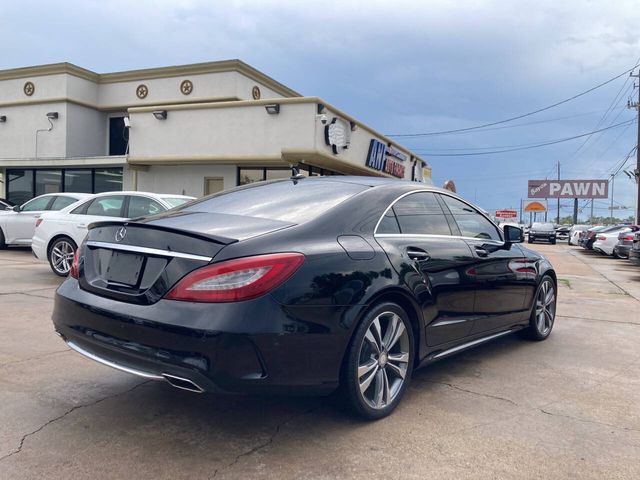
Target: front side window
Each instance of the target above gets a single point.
(142, 206)
(470, 222)
(110, 206)
(416, 214)
(36, 205)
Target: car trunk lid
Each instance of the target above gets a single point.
(139, 261)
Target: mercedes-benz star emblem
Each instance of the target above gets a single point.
(120, 234)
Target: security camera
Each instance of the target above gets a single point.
(323, 118)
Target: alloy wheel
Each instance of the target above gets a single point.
(545, 307)
(62, 256)
(383, 360)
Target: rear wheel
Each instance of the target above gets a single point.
(543, 314)
(3, 245)
(379, 362)
(61, 254)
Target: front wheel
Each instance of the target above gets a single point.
(379, 362)
(61, 254)
(543, 314)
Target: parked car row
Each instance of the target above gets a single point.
(614, 240)
(55, 224)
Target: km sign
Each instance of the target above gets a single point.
(568, 188)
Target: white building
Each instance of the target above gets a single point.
(192, 129)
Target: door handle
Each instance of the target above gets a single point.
(417, 254)
(482, 252)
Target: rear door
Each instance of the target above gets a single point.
(416, 236)
(108, 207)
(498, 271)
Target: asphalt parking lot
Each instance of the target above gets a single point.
(564, 408)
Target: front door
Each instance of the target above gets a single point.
(500, 288)
(416, 236)
(21, 226)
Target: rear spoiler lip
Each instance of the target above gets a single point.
(215, 238)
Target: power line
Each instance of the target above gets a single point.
(524, 147)
(444, 132)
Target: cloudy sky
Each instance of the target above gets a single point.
(402, 67)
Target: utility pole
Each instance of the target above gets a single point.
(613, 180)
(591, 216)
(636, 105)
(558, 214)
(575, 211)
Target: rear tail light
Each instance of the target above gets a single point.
(628, 238)
(38, 222)
(236, 280)
(74, 272)
(601, 237)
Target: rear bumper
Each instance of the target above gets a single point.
(622, 250)
(39, 248)
(257, 346)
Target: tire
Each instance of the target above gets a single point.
(529, 240)
(60, 255)
(371, 364)
(553, 242)
(540, 326)
(3, 245)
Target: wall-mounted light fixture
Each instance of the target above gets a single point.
(272, 108)
(50, 116)
(3, 118)
(160, 114)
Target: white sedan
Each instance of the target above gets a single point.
(58, 234)
(18, 223)
(606, 242)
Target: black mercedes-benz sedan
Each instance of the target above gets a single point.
(303, 286)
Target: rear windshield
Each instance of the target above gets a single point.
(284, 201)
(176, 201)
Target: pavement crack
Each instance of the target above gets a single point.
(553, 414)
(268, 441)
(37, 357)
(473, 392)
(599, 320)
(60, 417)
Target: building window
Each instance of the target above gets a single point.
(48, 181)
(107, 180)
(79, 181)
(24, 184)
(118, 136)
(19, 186)
(258, 174)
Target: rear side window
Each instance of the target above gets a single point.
(141, 206)
(284, 201)
(470, 222)
(105, 206)
(417, 214)
(60, 202)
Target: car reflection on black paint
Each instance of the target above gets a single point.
(303, 286)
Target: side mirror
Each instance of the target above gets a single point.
(16, 208)
(513, 234)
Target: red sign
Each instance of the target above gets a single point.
(506, 214)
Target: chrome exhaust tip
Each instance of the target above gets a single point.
(182, 383)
